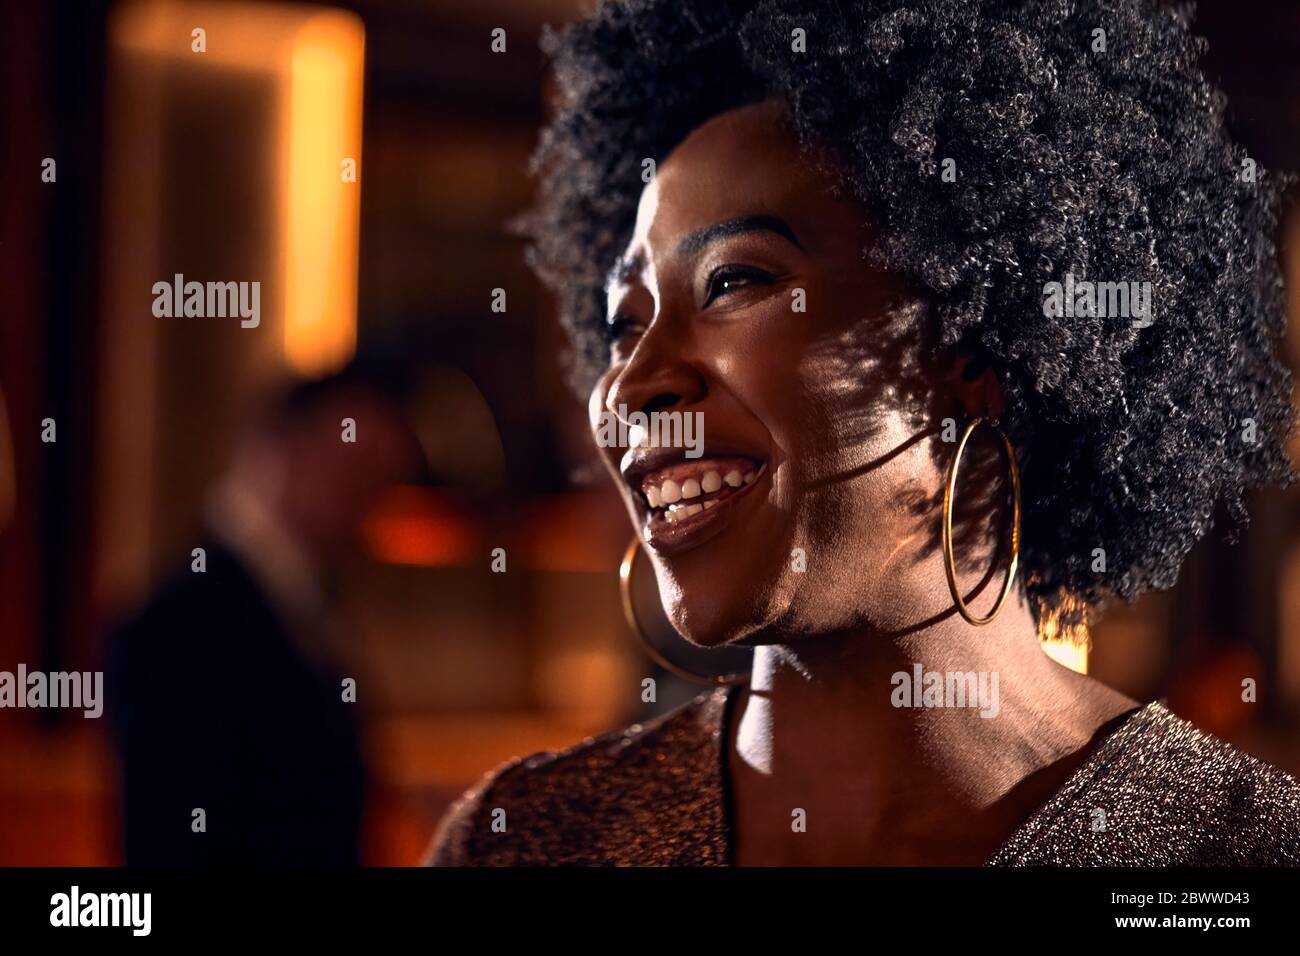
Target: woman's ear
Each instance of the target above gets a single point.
(976, 387)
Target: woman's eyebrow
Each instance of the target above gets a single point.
(701, 238)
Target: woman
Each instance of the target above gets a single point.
(880, 246)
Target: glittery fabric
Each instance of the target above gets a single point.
(650, 795)
(1156, 792)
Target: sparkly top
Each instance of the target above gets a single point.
(1155, 792)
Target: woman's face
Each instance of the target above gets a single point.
(744, 301)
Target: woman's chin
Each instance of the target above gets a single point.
(713, 626)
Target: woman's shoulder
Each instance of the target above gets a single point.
(621, 797)
(1160, 792)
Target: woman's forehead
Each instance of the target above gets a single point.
(743, 163)
(744, 156)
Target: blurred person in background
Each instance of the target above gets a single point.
(238, 739)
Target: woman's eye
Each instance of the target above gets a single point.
(618, 328)
(727, 279)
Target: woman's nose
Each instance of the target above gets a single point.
(657, 378)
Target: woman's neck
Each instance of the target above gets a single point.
(931, 747)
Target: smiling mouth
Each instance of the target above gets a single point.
(687, 501)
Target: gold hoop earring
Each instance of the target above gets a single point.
(625, 569)
(949, 563)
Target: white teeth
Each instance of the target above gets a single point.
(670, 492)
(680, 512)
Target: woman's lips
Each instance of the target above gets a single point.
(690, 501)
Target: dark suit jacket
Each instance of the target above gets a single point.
(214, 707)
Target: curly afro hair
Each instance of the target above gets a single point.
(1100, 154)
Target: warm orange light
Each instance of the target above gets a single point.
(323, 193)
(1063, 633)
(315, 55)
(417, 526)
(1073, 656)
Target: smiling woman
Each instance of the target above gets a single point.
(840, 265)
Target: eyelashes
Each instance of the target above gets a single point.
(617, 327)
(722, 282)
(726, 279)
